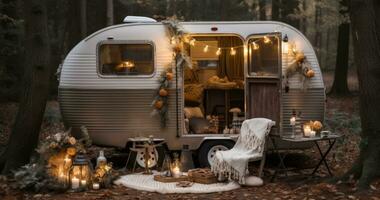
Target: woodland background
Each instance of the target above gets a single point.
(322, 21)
(36, 35)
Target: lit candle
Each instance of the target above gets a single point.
(176, 172)
(293, 121)
(74, 183)
(95, 186)
(307, 130)
(312, 133)
(83, 182)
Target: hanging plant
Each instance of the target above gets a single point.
(299, 65)
(177, 37)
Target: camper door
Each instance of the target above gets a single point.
(263, 77)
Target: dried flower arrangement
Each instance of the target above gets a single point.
(47, 171)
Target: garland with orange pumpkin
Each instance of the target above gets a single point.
(177, 37)
(301, 65)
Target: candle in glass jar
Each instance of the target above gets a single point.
(83, 182)
(307, 130)
(95, 186)
(176, 172)
(74, 183)
(312, 133)
(293, 121)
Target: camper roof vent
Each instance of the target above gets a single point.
(134, 19)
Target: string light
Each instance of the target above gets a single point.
(192, 42)
(218, 52)
(266, 40)
(255, 46)
(233, 51)
(173, 40)
(205, 49)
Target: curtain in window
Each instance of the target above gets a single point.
(231, 66)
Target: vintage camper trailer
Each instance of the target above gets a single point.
(109, 80)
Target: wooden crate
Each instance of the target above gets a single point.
(202, 175)
(169, 179)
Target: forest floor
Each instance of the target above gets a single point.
(342, 117)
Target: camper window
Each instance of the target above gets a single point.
(263, 55)
(126, 59)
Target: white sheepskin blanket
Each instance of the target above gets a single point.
(147, 183)
(250, 144)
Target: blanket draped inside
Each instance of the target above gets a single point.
(250, 144)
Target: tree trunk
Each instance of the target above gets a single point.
(24, 137)
(83, 18)
(365, 21)
(262, 11)
(110, 12)
(340, 86)
(275, 10)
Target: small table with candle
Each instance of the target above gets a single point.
(330, 138)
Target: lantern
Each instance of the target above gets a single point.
(175, 167)
(285, 44)
(80, 173)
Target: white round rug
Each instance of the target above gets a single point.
(147, 183)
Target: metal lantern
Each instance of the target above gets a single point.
(80, 173)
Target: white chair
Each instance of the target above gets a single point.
(249, 147)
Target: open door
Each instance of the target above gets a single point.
(263, 77)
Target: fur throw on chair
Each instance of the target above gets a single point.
(250, 144)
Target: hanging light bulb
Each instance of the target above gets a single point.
(285, 44)
(205, 49)
(218, 52)
(255, 46)
(173, 40)
(233, 51)
(266, 40)
(192, 42)
(294, 48)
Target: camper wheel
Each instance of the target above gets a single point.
(208, 149)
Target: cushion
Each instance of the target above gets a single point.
(253, 181)
(191, 112)
(193, 92)
(198, 125)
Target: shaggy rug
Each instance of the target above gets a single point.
(147, 183)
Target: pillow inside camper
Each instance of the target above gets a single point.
(198, 125)
(191, 112)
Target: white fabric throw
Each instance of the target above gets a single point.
(250, 144)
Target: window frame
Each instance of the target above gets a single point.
(105, 42)
(279, 54)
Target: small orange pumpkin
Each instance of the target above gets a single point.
(158, 104)
(317, 125)
(163, 92)
(310, 73)
(169, 76)
(71, 151)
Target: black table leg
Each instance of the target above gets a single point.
(323, 157)
(281, 165)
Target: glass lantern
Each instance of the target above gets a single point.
(80, 173)
(175, 167)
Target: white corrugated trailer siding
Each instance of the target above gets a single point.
(114, 109)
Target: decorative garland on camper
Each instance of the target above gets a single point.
(178, 37)
(300, 65)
